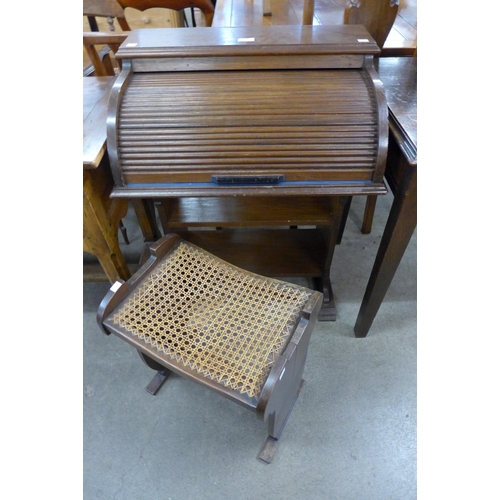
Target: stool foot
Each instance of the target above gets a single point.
(267, 451)
(157, 381)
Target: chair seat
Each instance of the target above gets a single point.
(206, 315)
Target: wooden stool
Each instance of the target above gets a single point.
(240, 334)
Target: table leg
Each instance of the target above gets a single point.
(100, 236)
(397, 233)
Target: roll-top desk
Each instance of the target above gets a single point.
(251, 139)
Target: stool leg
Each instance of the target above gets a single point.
(162, 374)
(276, 424)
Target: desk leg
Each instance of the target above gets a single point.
(145, 212)
(397, 233)
(371, 201)
(331, 236)
(100, 236)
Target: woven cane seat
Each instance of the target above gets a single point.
(216, 319)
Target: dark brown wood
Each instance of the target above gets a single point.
(270, 252)
(159, 378)
(247, 125)
(248, 41)
(157, 381)
(270, 446)
(146, 216)
(343, 221)
(371, 202)
(400, 77)
(248, 211)
(285, 380)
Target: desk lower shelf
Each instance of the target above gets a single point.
(248, 211)
(273, 236)
(262, 250)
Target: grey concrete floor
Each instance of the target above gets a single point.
(351, 436)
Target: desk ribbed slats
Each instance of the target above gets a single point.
(287, 122)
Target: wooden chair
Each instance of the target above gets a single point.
(206, 6)
(109, 9)
(100, 48)
(100, 51)
(377, 16)
(239, 334)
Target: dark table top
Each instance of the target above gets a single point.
(399, 76)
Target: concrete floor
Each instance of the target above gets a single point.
(351, 436)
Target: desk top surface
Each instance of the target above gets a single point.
(248, 40)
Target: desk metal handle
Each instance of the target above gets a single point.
(231, 180)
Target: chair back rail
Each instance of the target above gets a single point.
(101, 59)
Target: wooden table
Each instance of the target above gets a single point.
(102, 215)
(399, 75)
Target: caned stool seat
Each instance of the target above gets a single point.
(242, 335)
